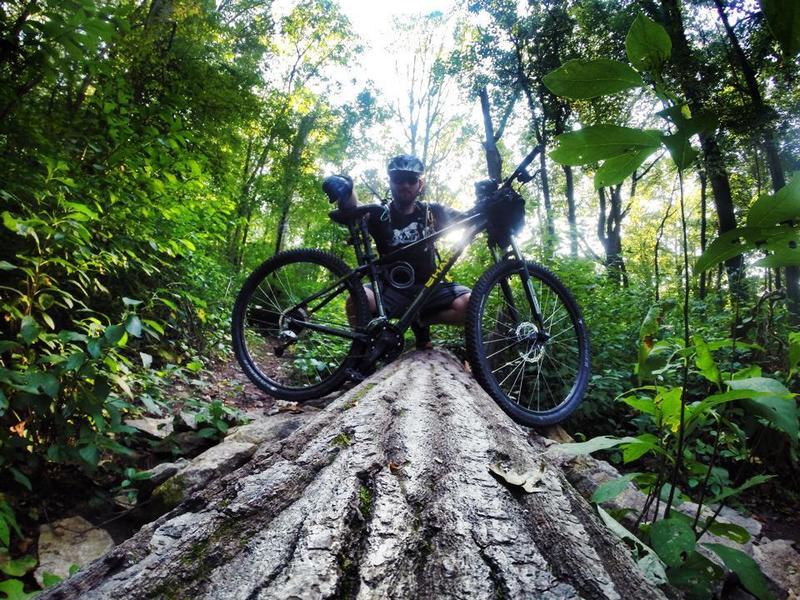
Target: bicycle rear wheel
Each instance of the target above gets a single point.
(290, 323)
(538, 375)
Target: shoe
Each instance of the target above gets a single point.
(422, 335)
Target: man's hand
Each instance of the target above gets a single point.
(339, 189)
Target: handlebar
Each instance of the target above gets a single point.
(522, 166)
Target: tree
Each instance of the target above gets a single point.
(401, 487)
(432, 124)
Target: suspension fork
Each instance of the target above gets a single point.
(527, 285)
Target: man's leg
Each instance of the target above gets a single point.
(455, 314)
(351, 311)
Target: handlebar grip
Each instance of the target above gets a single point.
(338, 188)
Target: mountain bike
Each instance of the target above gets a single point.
(302, 326)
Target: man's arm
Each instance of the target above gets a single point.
(444, 215)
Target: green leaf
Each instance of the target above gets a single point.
(617, 168)
(680, 149)
(21, 478)
(75, 361)
(6, 345)
(113, 333)
(611, 489)
(730, 244)
(90, 454)
(644, 443)
(17, 567)
(728, 492)
(783, 18)
(647, 44)
(761, 384)
(780, 413)
(745, 568)
(601, 142)
(5, 534)
(589, 446)
(14, 590)
(134, 326)
(771, 209)
(49, 580)
(581, 79)
(671, 539)
(6, 266)
(94, 348)
(42, 381)
(737, 533)
(705, 361)
(695, 577)
(29, 329)
(101, 388)
(131, 301)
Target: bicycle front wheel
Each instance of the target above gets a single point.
(290, 324)
(535, 368)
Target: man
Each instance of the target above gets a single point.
(403, 222)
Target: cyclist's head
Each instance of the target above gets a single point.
(405, 174)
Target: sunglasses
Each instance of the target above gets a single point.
(400, 178)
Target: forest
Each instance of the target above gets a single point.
(152, 154)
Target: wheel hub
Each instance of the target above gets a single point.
(533, 349)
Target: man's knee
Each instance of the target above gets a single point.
(460, 304)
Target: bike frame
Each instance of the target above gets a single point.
(369, 264)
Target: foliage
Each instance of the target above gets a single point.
(689, 427)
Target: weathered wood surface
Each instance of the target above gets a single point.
(387, 493)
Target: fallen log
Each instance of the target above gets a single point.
(387, 493)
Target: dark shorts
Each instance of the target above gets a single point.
(396, 301)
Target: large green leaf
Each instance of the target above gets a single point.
(680, 149)
(775, 403)
(780, 413)
(784, 246)
(16, 567)
(705, 361)
(695, 577)
(613, 488)
(771, 209)
(601, 142)
(647, 44)
(617, 168)
(745, 568)
(672, 539)
(29, 329)
(589, 446)
(14, 590)
(729, 492)
(581, 79)
(783, 18)
(730, 244)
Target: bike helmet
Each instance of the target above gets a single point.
(407, 163)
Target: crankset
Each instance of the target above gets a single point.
(385, 343)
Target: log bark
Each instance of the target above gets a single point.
(387, 493)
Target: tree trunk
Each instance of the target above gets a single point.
(609, 233)
(703, 230)
(387, 493)
(573, 227)
(290, 173)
